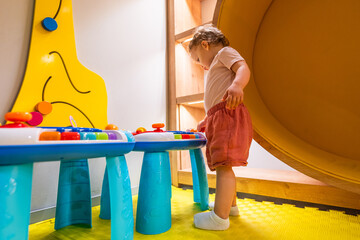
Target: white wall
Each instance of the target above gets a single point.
(125, 43)
(15, 24)
(260, 158)
(122, 41)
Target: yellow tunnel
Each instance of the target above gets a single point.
(304, 95)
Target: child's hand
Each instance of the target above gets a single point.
(234, 96)
(201, 125)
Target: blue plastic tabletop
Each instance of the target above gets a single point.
(160, 146)
(20, 154)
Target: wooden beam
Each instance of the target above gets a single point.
(190, 98)
(187, 34)
(284, 184)
(187, 14)
(216, 12)
(171, 85)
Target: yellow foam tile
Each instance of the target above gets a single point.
(257, 221)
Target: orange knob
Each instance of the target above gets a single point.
(111, 127)
(44, 107)
(18, 116)
(140, 130)
(50, 136)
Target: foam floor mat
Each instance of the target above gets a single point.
(258, 220)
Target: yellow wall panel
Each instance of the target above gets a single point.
(54, 74)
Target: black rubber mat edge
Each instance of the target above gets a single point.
(280, 201)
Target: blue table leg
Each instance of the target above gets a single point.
(15, 200)
(122, 219)
(153, 214)
(74, 194)
(105, 198)
(201, 175)
(195, 177)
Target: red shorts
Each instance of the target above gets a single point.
(229, 135)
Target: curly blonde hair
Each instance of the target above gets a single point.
(210, 34)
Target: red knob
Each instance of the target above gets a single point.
(158, 127)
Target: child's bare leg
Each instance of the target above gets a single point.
(225, 189)
(233, 204)
(234, 210)
(234, 200)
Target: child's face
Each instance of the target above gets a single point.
(201, 55)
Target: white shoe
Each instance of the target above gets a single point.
(210, 221)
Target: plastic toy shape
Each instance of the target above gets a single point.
(140, 130)
(153, 214)
(18, 119)
(18, 116)
(36, 119)
(303, 96)
(158, 127)
(44, 107)
(54, 74)
(16, 144)
(111, 127)
(154, 201)
(170, 140)
(21, 147)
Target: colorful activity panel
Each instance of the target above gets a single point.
(304, 92)
(56, 85)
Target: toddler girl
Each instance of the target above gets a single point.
(227, 123)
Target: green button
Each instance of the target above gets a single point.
(101, 136)
(177, 136)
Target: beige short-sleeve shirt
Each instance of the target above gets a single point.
(220, 76)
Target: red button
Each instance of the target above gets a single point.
(14, 125)
(70, 136)
(36, 119)
(185, 136)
